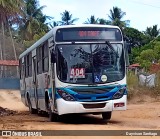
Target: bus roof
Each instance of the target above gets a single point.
(53, 31)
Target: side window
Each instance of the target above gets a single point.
(53, 60)
(22, 71)
(30, 65)
(26, 66)
(20, 68)
(45, 59)
(39, 60)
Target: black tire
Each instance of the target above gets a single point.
(106, 115)
(32, 111)
(53, 117)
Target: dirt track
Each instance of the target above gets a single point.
(144, 116)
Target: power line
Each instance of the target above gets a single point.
(144, 4)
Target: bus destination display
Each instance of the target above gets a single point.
(88, 34)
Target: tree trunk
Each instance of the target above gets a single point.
(14, 49)
(1, 72)
(3, 50)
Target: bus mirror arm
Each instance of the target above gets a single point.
(53, 57)
(128, 47)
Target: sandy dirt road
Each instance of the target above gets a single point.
(145, 116)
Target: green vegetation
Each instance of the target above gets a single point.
(22, 22)
(26, 23)
(115, 17)
(67, 18)
(135, 90)
(147, 54)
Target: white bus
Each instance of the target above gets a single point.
(75, 69)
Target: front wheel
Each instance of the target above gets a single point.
(106, 115)
(53, 117)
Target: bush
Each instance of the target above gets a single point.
(134, 89)
(132, 83)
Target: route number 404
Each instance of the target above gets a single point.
(77, 73)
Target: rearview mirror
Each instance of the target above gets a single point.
(127, 51)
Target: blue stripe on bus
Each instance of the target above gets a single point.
(92, 97)
(79, 97)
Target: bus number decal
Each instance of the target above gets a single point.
(89, 33)
(77, 73)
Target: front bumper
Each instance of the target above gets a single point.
(66, 107)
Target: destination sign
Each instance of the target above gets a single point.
(88, 34)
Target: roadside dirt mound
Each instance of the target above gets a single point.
(11, 100)
(6, 112)
(143, 95)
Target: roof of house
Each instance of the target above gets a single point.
(134, 65)
(9, 63)
(155, 67)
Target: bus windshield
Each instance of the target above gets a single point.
(90, 63)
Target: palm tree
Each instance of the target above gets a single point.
(10, 12)
(104, 22)
(92, 20)
(152, 32)
(66, 18)
(115, 17)
(33, 20)
(53, 24)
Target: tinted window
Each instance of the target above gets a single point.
(39, 60)
(45, 57)
(30, 64)
(20, 68)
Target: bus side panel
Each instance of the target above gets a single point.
(22, 92)
(28, 82)
(41, 79)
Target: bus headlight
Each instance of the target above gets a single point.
(119, 93)
(65, 95)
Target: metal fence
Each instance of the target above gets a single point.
(9, 77)
(9, 72)
(9, 83)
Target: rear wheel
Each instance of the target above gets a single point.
(106, 115)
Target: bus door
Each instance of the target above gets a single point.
(35, 84)
(53, 60)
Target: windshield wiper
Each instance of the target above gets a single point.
(111, 47)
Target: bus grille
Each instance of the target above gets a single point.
(92, 90)
(92, 106)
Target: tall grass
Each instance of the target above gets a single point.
(134, 89)
(132, 80)
(132, 83)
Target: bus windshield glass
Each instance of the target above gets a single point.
(90, 63)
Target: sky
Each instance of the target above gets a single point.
(141, 13)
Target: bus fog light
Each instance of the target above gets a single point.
(66, 96)
(121, 104)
